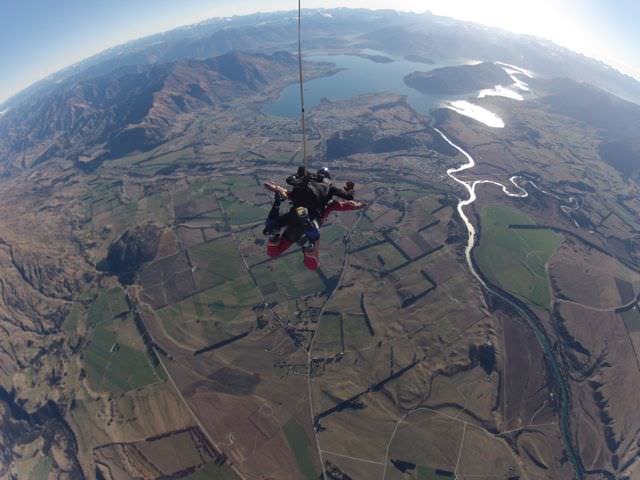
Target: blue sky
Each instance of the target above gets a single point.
(38, 37)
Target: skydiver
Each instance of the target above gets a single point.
(312, 199)
(313, 192)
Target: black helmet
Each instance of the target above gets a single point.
(323, 173)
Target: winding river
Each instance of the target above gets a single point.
(562, 387)
(357, 76)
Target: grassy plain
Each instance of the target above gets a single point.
(216, 261)
(112, 360)
(329, 337)
(632, 319)
(213, 471)
(107, 305)
(426, 473)
(72, 321)
(242, 213)
(385, 256)
(211, 315)
(513, 258)
(300, 446)
(36, 468)
(290, 274)
(356, 333)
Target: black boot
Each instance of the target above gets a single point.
(273, 215)
(277, 199)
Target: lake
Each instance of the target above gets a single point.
(359, 76)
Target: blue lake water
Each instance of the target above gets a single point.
(359, 76)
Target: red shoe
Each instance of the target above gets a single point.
(311, 256)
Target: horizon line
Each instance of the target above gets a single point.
(105, 50)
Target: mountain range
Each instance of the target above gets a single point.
(424, 35)
(141, 315)
(130, 108)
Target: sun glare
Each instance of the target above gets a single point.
(561, 21)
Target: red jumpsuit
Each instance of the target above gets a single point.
(278, 247)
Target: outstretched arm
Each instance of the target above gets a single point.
(346, 193)
(341, 206)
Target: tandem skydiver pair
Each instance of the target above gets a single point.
(311, 197)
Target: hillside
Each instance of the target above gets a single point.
(474, 320)
(424, 36)
(616, 119)
(459, 79)
(129, 109)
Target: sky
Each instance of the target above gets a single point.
(39, 37)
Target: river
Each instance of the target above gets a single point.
(360, 76)
(562, 387)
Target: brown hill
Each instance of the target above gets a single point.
(617, 119)
(130, 109)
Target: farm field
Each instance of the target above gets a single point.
(513, 258)
(115, 358)
(148, 334)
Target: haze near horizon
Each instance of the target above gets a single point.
(38, 38)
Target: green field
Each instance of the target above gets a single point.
(356, 333)
(153, 166)
(217, 261)
(37, 468)
(515, 259)
(224, 301)
(409, 194)
(239, 181)
(266, 279)
(426, 473)
(290, 274)
(330, 234)
(241, 213)
(111, 363)
(328, 336)
(211, 471)
(298, 280)
(102, 196)
(154, 208)
(632, 320)
(212, 315)
(175, 320)
(72, 321)
(108, 304)
(383, 257)
(364, 235)
(284, 157)
(299, 444)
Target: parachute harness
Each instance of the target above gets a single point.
(304, 132)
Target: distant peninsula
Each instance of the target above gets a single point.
(375, 58)
(419, 59)
(458, 79)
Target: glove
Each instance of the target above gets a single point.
(349, 187)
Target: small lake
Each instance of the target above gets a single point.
(360, 76)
